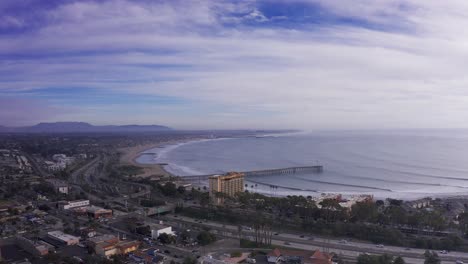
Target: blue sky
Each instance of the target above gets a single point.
(307, 64)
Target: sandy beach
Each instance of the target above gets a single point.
(130, 154)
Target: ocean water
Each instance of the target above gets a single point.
(398, 164)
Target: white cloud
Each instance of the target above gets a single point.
(327, 77)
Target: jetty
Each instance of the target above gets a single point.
(269, 172)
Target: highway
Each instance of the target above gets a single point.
(349, 248)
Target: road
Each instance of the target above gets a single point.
(350, 248)
(84, 170)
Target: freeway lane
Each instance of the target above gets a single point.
(352, 248)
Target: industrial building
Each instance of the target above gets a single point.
(63, 238)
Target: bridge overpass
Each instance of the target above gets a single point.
(269, 172)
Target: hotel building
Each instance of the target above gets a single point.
(229, 184)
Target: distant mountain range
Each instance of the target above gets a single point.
(80, 127)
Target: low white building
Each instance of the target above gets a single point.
(157, 230)
(75, 204)
(64, 238)
(53, 166)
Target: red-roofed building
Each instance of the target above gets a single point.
(298, 256)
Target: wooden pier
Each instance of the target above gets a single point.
(289, 170)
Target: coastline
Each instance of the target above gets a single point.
(130, 154)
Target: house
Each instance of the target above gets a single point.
(274, 256)
(298, 256)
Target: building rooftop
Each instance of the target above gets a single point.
(96, 209)
(228, 176)
(158, 226)
(62, 236)
(102, 238)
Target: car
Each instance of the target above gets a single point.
(407, 249)
(459, 262)
(167, 251)
(311, 238)
(301, 236)
(275, 234)
(251, 260)
(79, 260)
(443, 252)
(287, 243)
(380, 246)
(343, 241)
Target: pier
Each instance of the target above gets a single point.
(289, 170)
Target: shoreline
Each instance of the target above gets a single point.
(131, 154)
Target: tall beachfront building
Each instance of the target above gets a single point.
(228, 184)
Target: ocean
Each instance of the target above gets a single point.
(386, 164)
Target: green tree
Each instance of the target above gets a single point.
(399, 260)
(166, 239)
(375, 259)
(431, 257)
(190, 260)
(205, 238)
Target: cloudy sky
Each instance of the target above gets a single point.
(310, 64)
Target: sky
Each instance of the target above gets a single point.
(275, 64)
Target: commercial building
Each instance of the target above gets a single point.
(74, 204)
(63, 238)
(229, 184)
(38, 248)
(92, 211)
(98, 212)
(158, 229)
(109, 245)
